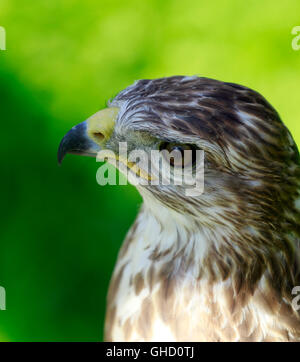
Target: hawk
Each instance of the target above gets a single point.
(220, 266)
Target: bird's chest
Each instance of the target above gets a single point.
(157, 298)
(180, 310)
(143, 299)
(159, 292)
(154, 306)
(143, 307)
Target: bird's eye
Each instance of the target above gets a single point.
(178, 154)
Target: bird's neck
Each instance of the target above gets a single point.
(172, 269)
(167, 241)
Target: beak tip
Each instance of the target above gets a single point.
(75, 141)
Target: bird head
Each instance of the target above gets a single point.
(251, 163)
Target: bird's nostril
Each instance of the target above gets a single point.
(98, 136)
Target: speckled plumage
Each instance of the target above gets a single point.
(221, 266)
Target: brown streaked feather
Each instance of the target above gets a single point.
(221, 266)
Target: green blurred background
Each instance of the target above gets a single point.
(60, 231)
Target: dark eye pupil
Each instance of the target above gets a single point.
(179, 150)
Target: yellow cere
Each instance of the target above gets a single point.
(100, 125)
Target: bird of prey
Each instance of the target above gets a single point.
(220, 266)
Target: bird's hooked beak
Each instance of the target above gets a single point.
(88, 137)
